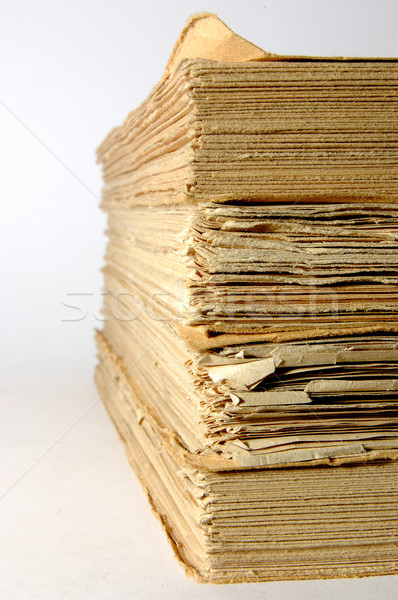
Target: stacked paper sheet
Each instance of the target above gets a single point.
(250, 340)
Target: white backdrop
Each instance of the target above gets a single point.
(71, 70)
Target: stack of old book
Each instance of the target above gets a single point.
(249, 353)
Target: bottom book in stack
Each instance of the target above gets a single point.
(234, 525)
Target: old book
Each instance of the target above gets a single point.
(249, 352)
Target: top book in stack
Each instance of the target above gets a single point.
(251, 271)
